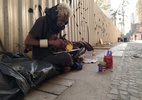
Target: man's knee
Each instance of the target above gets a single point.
(67, 57)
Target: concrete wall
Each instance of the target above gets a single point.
(87, 23)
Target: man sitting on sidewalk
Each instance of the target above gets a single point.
(45, 39)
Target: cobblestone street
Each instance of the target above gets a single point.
(127, 83)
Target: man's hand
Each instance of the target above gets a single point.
(59, 43)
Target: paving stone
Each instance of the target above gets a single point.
(124, 97)
(118, 75)
(134, 87)
(122, 88)
(52, 88)
(124, 77)
(140, 89)
(62, 81)
(117, 78)
(119, 69)
(134, 98)
(141, 95)
(115, 83)
(117, 53)
(114, 91)
(113, 86)
(125, 80)
(112, 96)
(123, 93)
(139, 82)
(39, 95)
(134, 92)
(131, 80)
(132, 83)
(123, 83)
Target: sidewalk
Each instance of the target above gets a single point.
(86, 84)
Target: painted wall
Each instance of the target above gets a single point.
(87, 23)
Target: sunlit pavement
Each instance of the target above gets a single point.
(124, 83)
(137, 41)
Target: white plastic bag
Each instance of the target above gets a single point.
(89, 57)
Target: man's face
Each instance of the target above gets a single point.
(61, 21)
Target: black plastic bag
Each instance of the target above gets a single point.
(18, 75)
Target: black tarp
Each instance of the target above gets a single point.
(19, 74)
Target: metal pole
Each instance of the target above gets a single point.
(123, 19)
